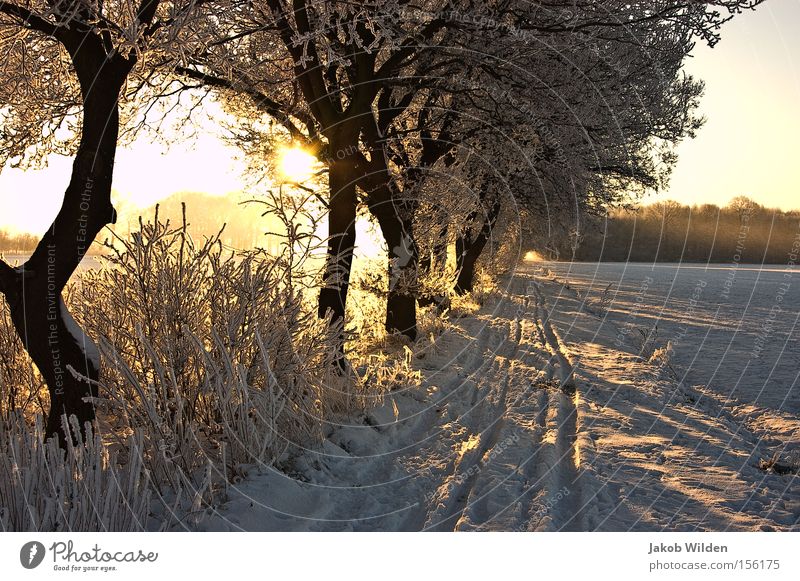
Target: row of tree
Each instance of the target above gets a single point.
(448, 120)
(741, 232)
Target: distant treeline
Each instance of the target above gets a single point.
(742, 231)
(17, 243)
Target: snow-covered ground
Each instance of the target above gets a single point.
(543, 412)
(734, 329)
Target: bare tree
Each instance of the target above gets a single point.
(744, 207)
(65, 66)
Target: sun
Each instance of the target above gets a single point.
(296, 164)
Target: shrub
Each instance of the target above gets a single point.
(83, 488)
(212, 360)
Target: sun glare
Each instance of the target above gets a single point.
(296, 165)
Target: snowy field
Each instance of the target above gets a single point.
(555, 407)
(732, 329)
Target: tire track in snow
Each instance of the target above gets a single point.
(503, 485)
(562, 459)
(445, 465)
(453, 496)
(543, 474)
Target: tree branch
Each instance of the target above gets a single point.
(29, 19)
(272, 108)
(309, 77)
(147, 11)
(394, 62)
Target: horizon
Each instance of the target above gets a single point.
(129, 212)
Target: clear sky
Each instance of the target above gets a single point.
(749, 145)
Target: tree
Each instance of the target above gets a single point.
(317, 68)
(743, 207)
(597, 86)
(66, 65)
(577, 106)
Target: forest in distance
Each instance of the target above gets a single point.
(740, 232)
(17, 243)
(241, 223)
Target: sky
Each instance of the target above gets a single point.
(144, 173)
(747, 147)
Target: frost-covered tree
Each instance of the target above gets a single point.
(316, 67)
(589, 95)
(64, 67)
(583, 104)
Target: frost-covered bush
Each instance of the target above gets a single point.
(389, 372)
(212, 360)
(603, 303)
(84, 488)
(215, 353)
(644, 340)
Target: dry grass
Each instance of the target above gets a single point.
(83, 488)
(213, 361)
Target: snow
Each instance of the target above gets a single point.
(537, 413)
(89, 348)
(677, 446)
(739, 336)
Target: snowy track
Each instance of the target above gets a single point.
(529, 418)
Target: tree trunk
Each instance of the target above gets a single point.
(51, 336)
(341, 240)
(401, 303)
(464, 272)
(468, 251)
(396, 225)
(439, 250)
